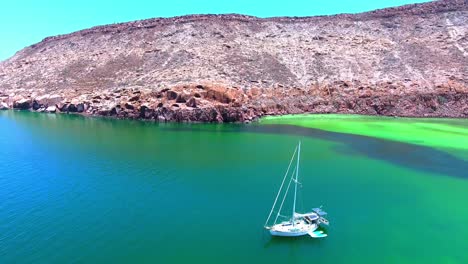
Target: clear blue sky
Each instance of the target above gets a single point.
(25, 22)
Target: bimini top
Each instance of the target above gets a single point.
(319, 211)
(311, 215)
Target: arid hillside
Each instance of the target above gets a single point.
(410, 61)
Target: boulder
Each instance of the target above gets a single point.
(220, 94)
(191, 102)
(36, 105)
(108, 108)
(51, 109)
(3, 106)
(46, 100)
(40, 101)
(22, 104)
(80, 108)
(72, 108)
(62, 107)
(54, 99)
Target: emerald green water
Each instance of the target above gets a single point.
(444, 134)
(85, 190)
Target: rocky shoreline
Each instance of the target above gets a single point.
(403, 61)
(217, 103)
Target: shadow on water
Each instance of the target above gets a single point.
(273, 241)
(408, 155)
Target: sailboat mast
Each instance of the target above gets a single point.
(295, 186)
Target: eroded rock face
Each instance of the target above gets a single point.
(22, 104)
(171, 95)
(191, 102)
(405, 61)
(46, 100)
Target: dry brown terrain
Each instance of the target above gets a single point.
(405, 61)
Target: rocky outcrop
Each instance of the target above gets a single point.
(3, 106)
(405, 61)
(46, 100)
(51, 109)
(22, 104)
(247, 106)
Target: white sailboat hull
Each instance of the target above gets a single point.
(288, 234)
(288, 230)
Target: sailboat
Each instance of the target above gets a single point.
(298, 224)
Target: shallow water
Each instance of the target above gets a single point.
(77, 189)
(449, 134)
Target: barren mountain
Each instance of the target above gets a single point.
(410, 61)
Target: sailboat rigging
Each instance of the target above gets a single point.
(298, 224)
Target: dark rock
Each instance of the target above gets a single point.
(143, 111)
(22, 104)
(80, 108)
(114, 111)
(60, 106)
(36, 105)
(191, 102)
(134, 98)
(181, 98)
(72, 108)
(103, 112)
(171, 95)
(129, 106)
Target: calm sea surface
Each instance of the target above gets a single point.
(88, 190)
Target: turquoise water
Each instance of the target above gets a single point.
(81, 190)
